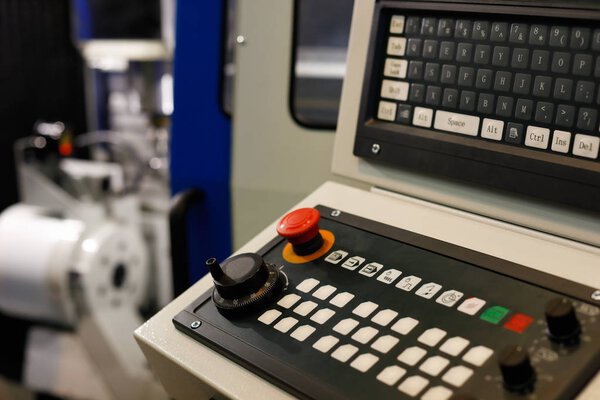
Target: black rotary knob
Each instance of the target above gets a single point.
(563, 325)
(517, 372)
(243, 283)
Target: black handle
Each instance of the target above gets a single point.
(181, 203)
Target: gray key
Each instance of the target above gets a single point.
(584, 92)
(542, 86)
(463, 29)
(522, 83)
(563, 88)
(482, 54)
(501, 56)
(434, 95)
(415, 70)
(499, 32)
(450, 99)
(417, 93)
(430, 49)
(540, 60)
(513, 133)
(538, 35)
(565, 116)
(432, 72)
(445, 27)
(481, 30)
(467, 101)
(582, 64)
(403, 114)
(559, 36)
(464, 53)
(429, 26)
(486, 103)
(504, 106)
(520, 58)
(587, 119)
(561, 62)
(465, 76)
(413, 25)
(484, 79)
(502, 81)
(544, 112)
(413, 48)
(580, 38)
(518, 33)
(447, 50)
(596, 40)
(448, 74)
(524, 109)
(597, 69)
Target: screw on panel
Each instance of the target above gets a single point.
(240, 39)
(195, 324)
(596, 295)
(375, 148)
(336, 213)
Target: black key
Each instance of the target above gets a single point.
(415, 70)
(544, 112)
(587, 119)
(513, 133)
(413, 25)
(463, 29)
(540, 60)
(484, 79)
(520, 58)
(597, 70)
(429, 26)
(596, 40)
(430, 49)
(486, 103)
(450, 99)
(501, 56)
(518, 33)
(417, 93)
(448, 74)
(481, 30)
(582, 64)
(524, 109)
(584, 92)
(413, 48)
(403, 113)
(565, 116)
(465, 76)
(561, 62)
(502, 81)
(499, 32)
(434, 95)
(538, 35)
(464, 53)
(598, 97)
(467, 100)
(504, 106)
(559, 36)
(580, 38)
(432, 72)
(482, 54)
(447, 50)
(522, 83)
(542, 86)
(445, 27)
(563, 88)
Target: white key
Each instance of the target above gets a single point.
(408, 283)
(471, 305)
(386, 111)
(432, 336)
(394, 90)
(412, 355)
(390, 375)
(365, 334)
(478, 355)
(437, 393)
(561, 141)
(336, 256)
(354, 262)
(365, 309)
(326, 343)
(385, 343)
(341, 299)
(457, 123)
(396, 46)
(370, 269)
(344, 352)
(397, 24)
(384, 317)
(269, 316)
(457, 376)
(449, 298)
(428, 290)
(389, 275)
(395, 68)
(302, 332)
(305, 308)
(586, 146)
(345, 326)
(286, 324)
(492, 129)
(454, 346)
(434, 365)
(413, 385)
(364, 362)
(422, 117)
(537, 137)
(324, 292)
(322, 316)
(288, 300)
(307, 285)
(404, 325)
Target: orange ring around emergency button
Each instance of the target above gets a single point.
(299, 226)
(293, 258)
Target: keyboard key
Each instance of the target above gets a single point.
(544, 112)
(302, 332)
(559, 36)
(385, 343)
(397, 24)
(448, 74)
(325, 343)
(565, 116)
(305, 308)
(582, 64)
(454, 346)
(504, 107)
(457, 376)
(413, 48)
(503, 81)
(584, 92)
(365, 334)
(405, 325)
(538, 35)
(384, 317)
(542, 86)
(423, 117)
(484, 79)
(492, 129)
(413, 385)
(396, 46)
(429, 26)
(415, 70)
(403, 114)
(365, 309)
(587, 119)
(467, 101)
(586, 146)
(434, 95)
(432, 72)
(412, 25)
(465, 76)
(457, 123)
(499, 32)
(395, 68)
(417, 93)
(596, 40)
(309, 284)
(364, 362)
(344, 352)
(322, 316)
(285, 324)
(324, 292)
(482, 54)
(447, 50)
(432, 336)
(513, 134)
(434, 365)
(269, 316)
(561, 62)
(563, 89)
(386, 111)
(561, 140)
(486, 103)
(463, 29)
(478, 355)
(464, 53)
(391, 375)
(288, 300)
(518, 33)
(540, 60)
(341, 299)
(520, 58)
(501, 56)
(412, 355)
(445, 28)
(537, 137)
(450, 98)
(522, 83)
(345, 326)
(437, 393)
(580, 38)
(481, 30)
(430, 49)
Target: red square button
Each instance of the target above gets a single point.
(518, 322)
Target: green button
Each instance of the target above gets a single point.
(494, 314)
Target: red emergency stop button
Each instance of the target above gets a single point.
(301, 228)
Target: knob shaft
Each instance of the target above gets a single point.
(301, 228)
(517, 372)
(563, 325)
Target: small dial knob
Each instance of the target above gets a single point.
(301, 228)
(563, 325)
(517, 372)
(243, 283)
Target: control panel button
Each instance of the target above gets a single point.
(408, 283)
(324, 292)
(365, 334)
(303, 332)
(345, 326)
(449, 298)
(269, 316)
(437, 393)
(457, 376)
(341, 299)
(471, 305)
(305, 308)
(391, 375)
(454, 346)
(322, 316)
(370, 269)
(389, 275)
(364, 362)
(397, 24)
(494, 314)
(301, 229)
(384, 317)
(353, 262)
(478, 355)
(586, 146)
(404, 325)
(432, 336)
(336, 256)
(286, 324)
(325, 343)
(307, 285)
(434, 365)
(412, 355)
(365, 309)
(428, 290)
(413, 385)
(288, 300)
(518, 322)
(344, 352)
(385, 343)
